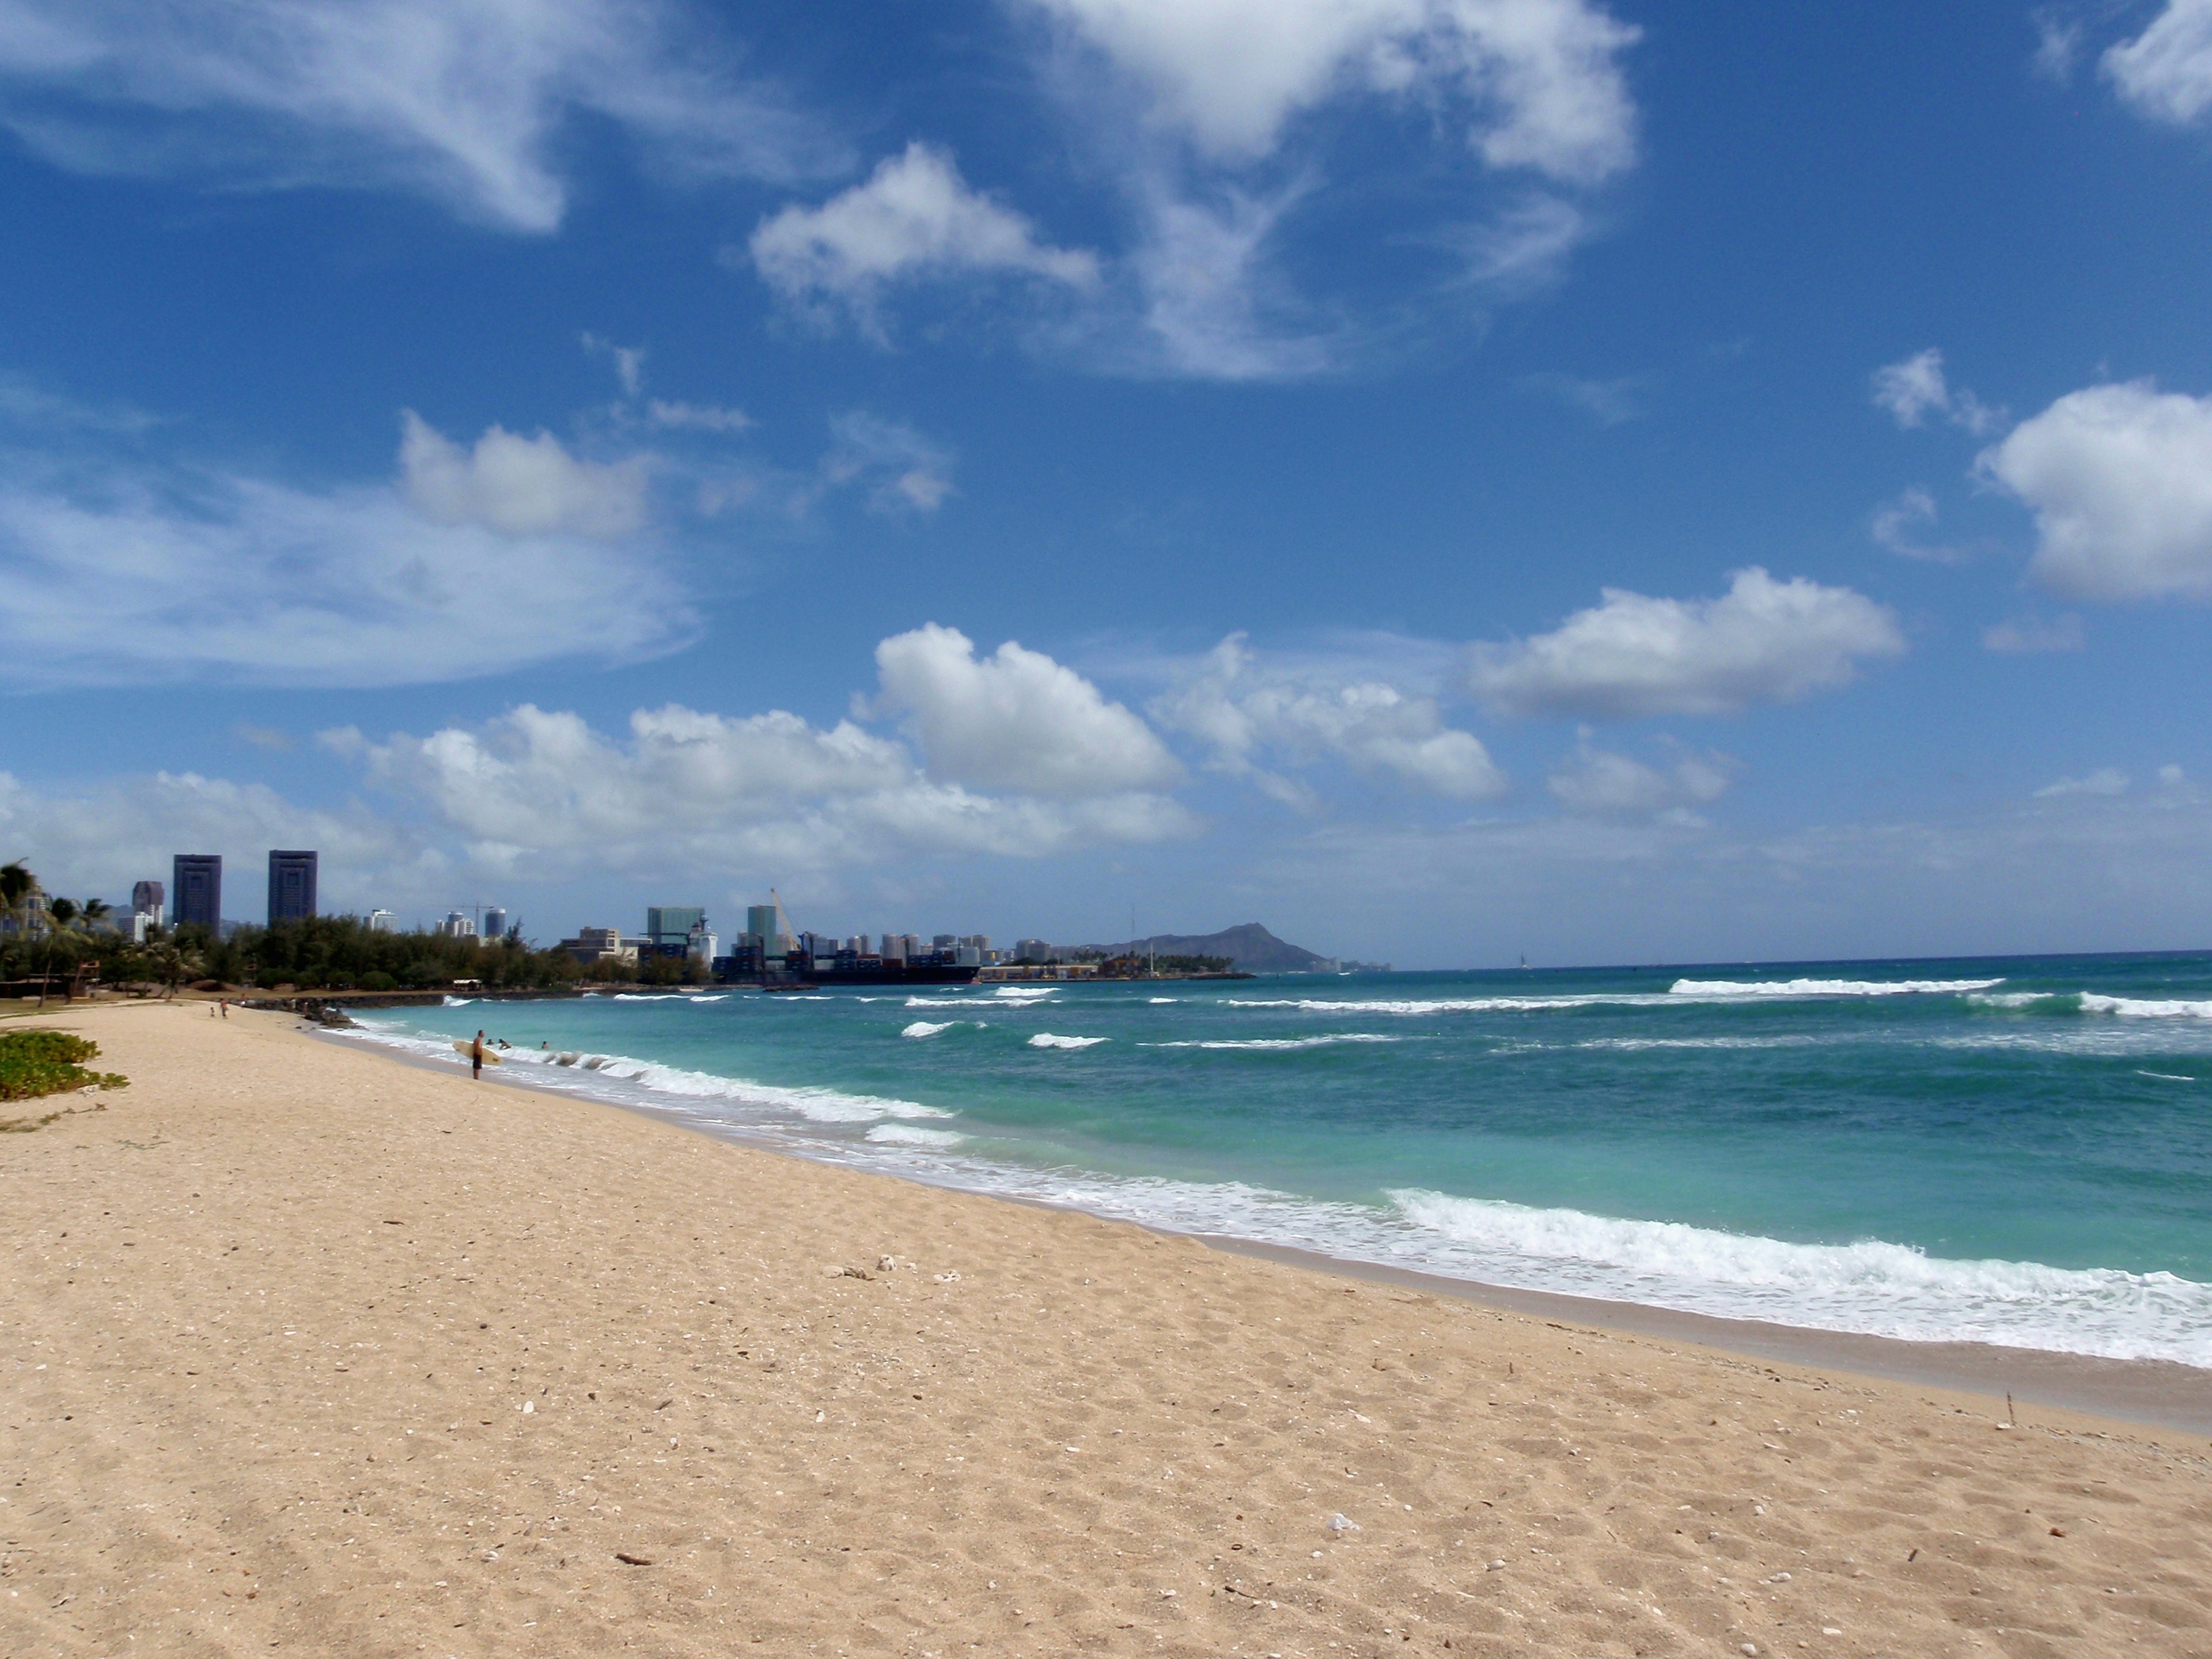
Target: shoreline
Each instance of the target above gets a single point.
(307, 1350)
(2156, 1395)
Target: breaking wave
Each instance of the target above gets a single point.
(1874, 1288)
(568, 1070)
(1828, 988)
(905, 1134)
(1278, 1043)
(1047, 1040)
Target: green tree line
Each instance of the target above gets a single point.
(62, 941)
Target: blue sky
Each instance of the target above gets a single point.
(1446, 477)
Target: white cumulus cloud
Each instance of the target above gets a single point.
(1597, 782)
(536, 791)
(518, 486)
(1016, 718)
(465, 100)
(914, 217)
(2120, 480)
(94, 839)
(1538, 82)
(2165, 72)
(1246, 712)
(1763, 641)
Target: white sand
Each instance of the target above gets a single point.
(303, 1349)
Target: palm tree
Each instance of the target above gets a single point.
(170, 963)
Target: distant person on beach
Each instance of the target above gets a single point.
(223, 1003)
(476, 1057)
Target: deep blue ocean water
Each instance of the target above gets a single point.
(2015, 1150)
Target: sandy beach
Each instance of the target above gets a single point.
(304, 1349)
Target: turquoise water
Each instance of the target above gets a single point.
(2016, 1151)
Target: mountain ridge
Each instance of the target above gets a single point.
(1250, 946)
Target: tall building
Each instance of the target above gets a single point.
(291, 887)
(196, 885)
(149, 899)
(495, 921)
(457, 925)
(671, 924)
(766, 923)
(383, 921)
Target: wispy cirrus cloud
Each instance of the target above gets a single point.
(116, 568)
(464, 102)
(1190, 116)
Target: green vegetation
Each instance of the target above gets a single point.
(35, 1063)
(339, 953)
(60, 946)
(1139, 967)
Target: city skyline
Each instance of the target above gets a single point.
(1650, 481)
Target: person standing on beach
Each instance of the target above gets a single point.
(476, 1058)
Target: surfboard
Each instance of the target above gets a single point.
(462, 1049)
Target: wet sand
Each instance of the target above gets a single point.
(303, 1349)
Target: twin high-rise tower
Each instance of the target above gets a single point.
(196, 887)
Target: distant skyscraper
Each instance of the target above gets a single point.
(291, 887)
(457, 925)
(149, 898)
(495, 921)
(671, 924)
(766, 923)
(383, 921)
(196, 885)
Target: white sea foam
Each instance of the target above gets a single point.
(658, 1082)
(1876, 1288)
(905, 1134)
(1828, 988)
(1632, 1045)
(1047, 1040)
(2135, 1008)
(457, 1002)
(2020, 998)
(1023, 993)
(1872, 1287)
(2166, 1077)
(725, 997)
(940, 1002)
(923, 1028)
(1413, 1008)
(1279, 1042)
(1159, 1002)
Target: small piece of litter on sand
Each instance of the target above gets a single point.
(1342, 1523)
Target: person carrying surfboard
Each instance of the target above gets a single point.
(476, 1058)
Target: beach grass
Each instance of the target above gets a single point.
(36, 1063)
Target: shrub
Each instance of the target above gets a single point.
(35, 1063)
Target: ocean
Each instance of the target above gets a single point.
(2013, 1151)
